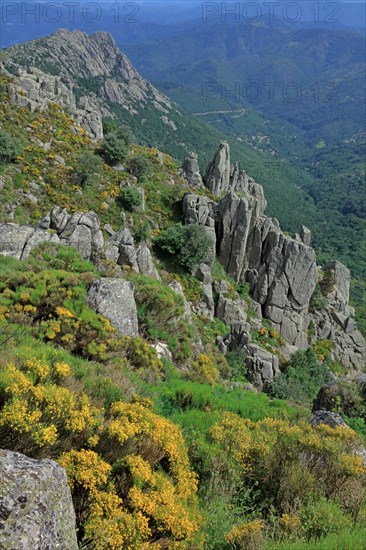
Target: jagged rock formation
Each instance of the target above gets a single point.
(114, 299)
(77, 59)
(336, 321)
(36, 509)
(282, 271)
(217, 178)
(191, 171)
(36, 90)
(200, 209)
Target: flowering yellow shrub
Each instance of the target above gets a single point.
(168, 500)
(246, 535)
(290, 464)
(204, 369)
(34, 405)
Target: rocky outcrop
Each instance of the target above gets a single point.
(200, 209)
(217, 178)
(18, 241)
(331, 419)
(80, 230)
(262, 366)
(231, 310)
(145, 262)
(114, 298)
(34, 89)
(121, 249)
(191, 171)
(234, 221)
(36, 510)
(345, 393)
(336, 321)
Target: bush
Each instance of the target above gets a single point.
(87, 164)
(190, 244)
(139, 166)
(113, 149)
(301, 378)
(10, 147)
(130, 198)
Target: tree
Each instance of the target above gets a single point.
(10, 147)
(138, 166)
(130, 198)
(113, 149)
(87, 164)
(190, 244)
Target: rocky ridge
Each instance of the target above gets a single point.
(77, 60)
(281, 271)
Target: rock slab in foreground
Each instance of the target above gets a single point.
(114, 299)
(36, 510)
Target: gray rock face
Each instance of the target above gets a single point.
(36, 510)
(83, 232)
(200, 209)
(145, 262)
(120, 248)
(231, 311)
(114, 299)
(234, 220)
(36, 90)
(19, 240)
(80, 230)
(217, 178)
(262, 366)
(305, 235)
(336, 321)
(191, 171)
(326, 417)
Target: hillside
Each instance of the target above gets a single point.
(144, 311)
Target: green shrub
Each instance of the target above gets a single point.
(301, 378)
(10, 147)
(87, 164)
(113, 149)
(322, 517)
(190, 244)
(317, 300)
(142, 232)
(139, 166)
(130, 198)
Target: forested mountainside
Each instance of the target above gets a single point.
(299, 94)
(187, 364)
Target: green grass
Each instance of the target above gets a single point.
(354, 539)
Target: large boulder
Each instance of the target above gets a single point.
(36, 510)
(114, 298)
